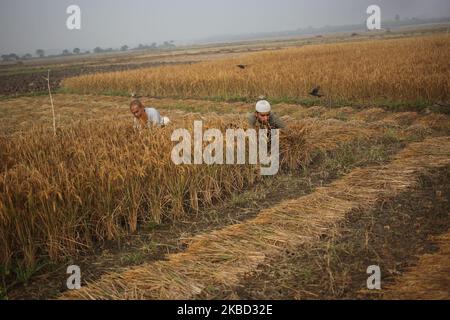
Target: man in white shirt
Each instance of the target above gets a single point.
(146, 117)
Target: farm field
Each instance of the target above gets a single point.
(363, 180)
(356, 72)
(26, 77)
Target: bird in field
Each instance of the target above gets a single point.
(315, 92)
(242, 66)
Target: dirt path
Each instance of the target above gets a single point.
(221, 258)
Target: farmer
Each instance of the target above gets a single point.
(263, 118)
(146, 117)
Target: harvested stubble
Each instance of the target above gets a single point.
(307, 139)
(405, 70)
(22, 113)
(221, 258)
(370, 114)
(438, 122)
(429, 279)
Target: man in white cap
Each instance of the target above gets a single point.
(146, 117)
(264, 118)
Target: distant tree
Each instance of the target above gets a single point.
(167, 44)
(87, 52)
(98, 50)
(124, 48)
(76, 51)
(65, 52)
(10, 57)
(397, 17)
(40, 53)
(27, 56)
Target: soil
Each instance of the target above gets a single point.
(392, 236)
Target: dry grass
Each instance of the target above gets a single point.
(305, 140)
(404, 70)
(223, 257)
(22, 113)
(429, 280)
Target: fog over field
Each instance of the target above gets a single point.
(27, 25)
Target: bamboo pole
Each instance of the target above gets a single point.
(51, 101)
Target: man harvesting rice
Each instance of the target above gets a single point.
(263, 117)
(146, 117)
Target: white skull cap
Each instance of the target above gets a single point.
(262, 106)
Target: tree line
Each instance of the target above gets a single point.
(40, 53)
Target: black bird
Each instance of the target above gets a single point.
(315, 92)
(242, 66)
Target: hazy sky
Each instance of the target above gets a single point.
(26, 25)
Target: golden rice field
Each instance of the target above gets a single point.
(98, 179)
(94, 182)
(408, 70)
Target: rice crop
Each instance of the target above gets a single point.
(394, 70)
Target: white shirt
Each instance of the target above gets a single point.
(154, 118)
